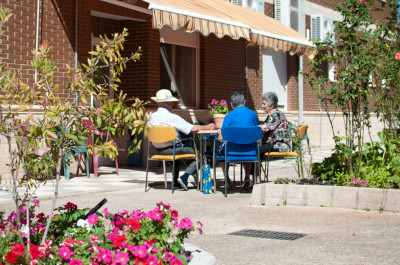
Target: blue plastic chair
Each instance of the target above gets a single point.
(241, 145)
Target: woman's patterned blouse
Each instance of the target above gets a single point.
(278, 132)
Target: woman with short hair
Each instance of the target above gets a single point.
(275, 128)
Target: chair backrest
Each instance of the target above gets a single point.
(161, 134)
(242, 140)
(301, 132)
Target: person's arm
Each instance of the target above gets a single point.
(196, 128)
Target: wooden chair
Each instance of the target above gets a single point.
(162, 134)
(296, 149)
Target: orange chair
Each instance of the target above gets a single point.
(300, 134)
(162, 134)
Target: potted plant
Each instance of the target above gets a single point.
(218, 111)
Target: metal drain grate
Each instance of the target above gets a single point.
(268, 234)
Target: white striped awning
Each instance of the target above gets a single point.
(223, 18)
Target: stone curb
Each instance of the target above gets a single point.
(357, 198)
(199, 256)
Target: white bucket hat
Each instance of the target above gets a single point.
(164, 95)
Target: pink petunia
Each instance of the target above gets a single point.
(75, 262)
(121, 258)
(69, 242)
(36, 202)
(223, 102)
(65, 253)
(162, 206)
(175, 262)
(92, 219)
(174, 214)
(185, 223)
(94, 239)
(106, 213)
(155, 214)
(140, 251)
(152, 260)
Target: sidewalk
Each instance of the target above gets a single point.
(314, 235)
(133, 178)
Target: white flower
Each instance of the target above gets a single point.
(25, 229)
(84, 223)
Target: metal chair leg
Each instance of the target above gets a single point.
(147, 173)
(165, 174)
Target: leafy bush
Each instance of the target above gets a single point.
(379, 164)
(135, 237)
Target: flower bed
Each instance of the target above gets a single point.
(137, 237)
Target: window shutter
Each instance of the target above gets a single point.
(275, 75)
(282, 11)
(278, 10)
(238, 2)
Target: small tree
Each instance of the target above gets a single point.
(55, 122)
(356, 56)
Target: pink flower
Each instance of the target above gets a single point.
(94, 239)
(397, 56)
(152, 260)
(174, 214)
(200, 227)
(223, 102)
(363, 2)
(121, 258)
(44, 247)
(140, 251)
(155, 214)
(92, 219)
(75, 262)
(106, 213)
(68, 242)
(65, 253)
(161, 205)
(175, 262)
(185, 223)
(36, 202)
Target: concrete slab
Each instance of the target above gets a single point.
(274, 194)
(345, 197)
(370, 199)
(296, 195)
(319, 196)
(392, 202)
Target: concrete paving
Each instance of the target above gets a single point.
(330, 235)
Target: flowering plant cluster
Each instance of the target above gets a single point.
(218, 107)
(359, 183)
(137, 237)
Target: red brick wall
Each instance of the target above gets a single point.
(20, 37)
(223, 64)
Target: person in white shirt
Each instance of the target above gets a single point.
(164, 117)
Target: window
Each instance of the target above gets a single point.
(275, 75)
(179, 65)
(291, 13)
(180, 78)
(103, 74)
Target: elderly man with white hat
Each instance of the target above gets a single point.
(164, 117)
